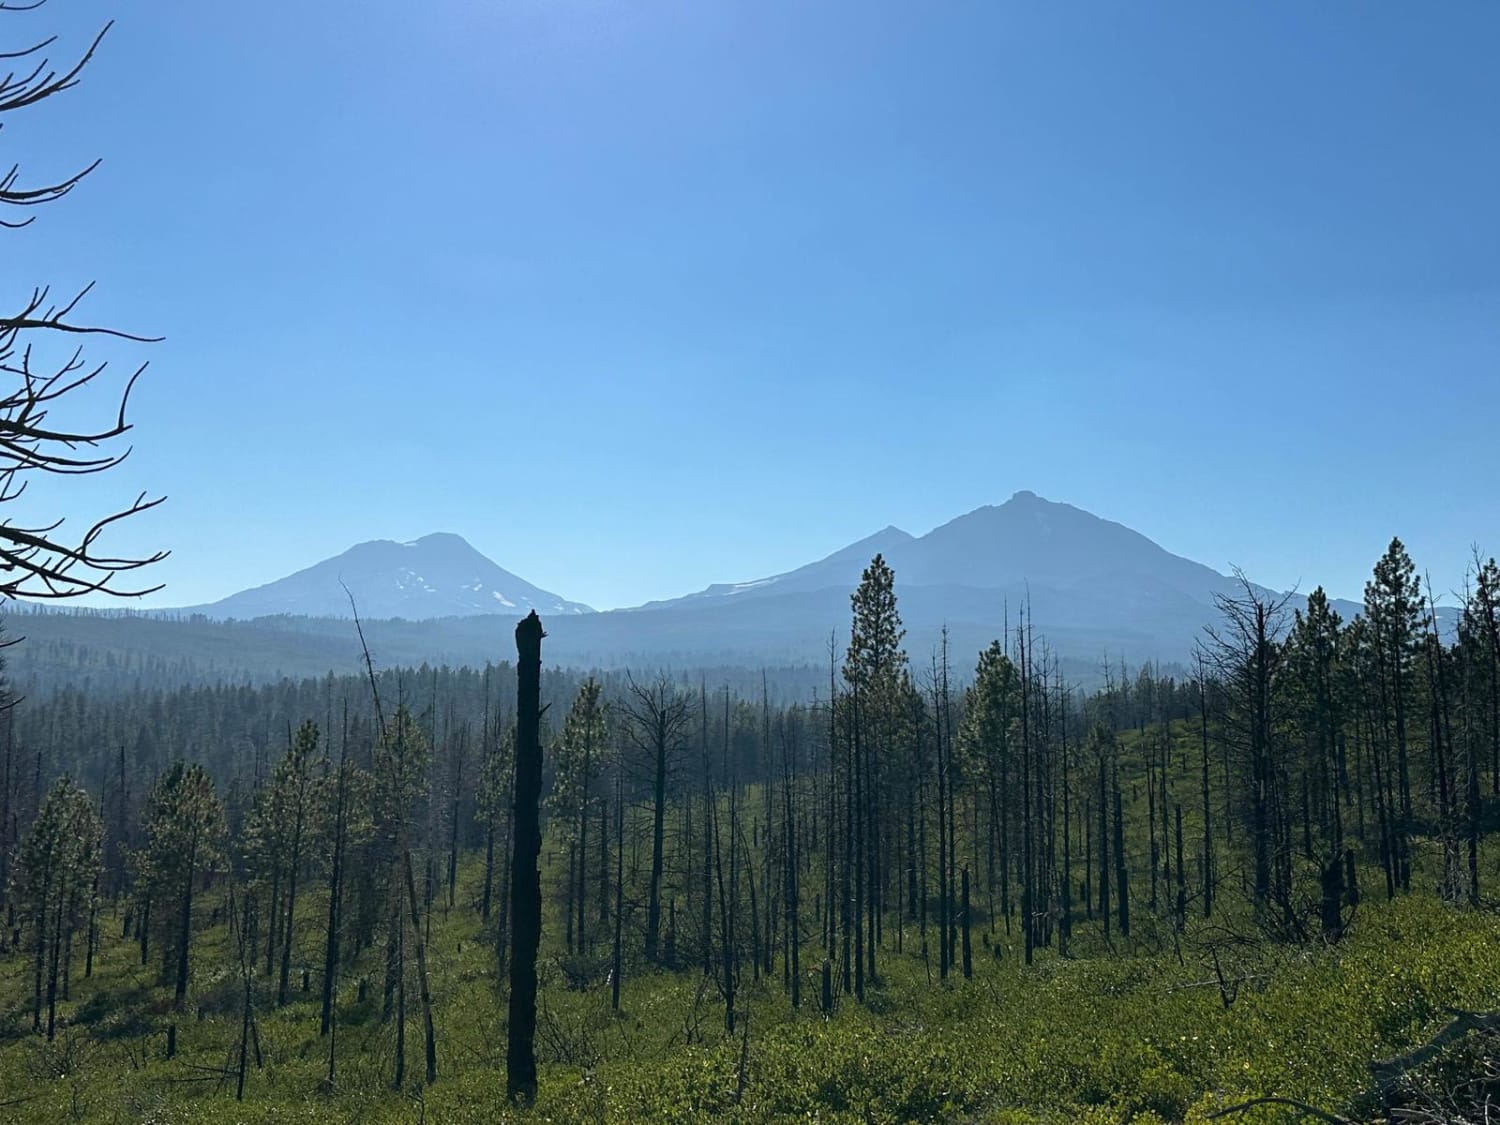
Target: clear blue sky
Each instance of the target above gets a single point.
(642, 296)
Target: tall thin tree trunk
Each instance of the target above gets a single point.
(968, 946)
(291, 907)
(857, 811)
(1122, 872)
(1208, 834)
(617, 960)
(185, 933)
(335, 892)
(428, 1034)
(526, 884)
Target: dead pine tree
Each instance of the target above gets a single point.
(1244, 652)
(526, 877)
(1103, 740)
(335, 892)
(430, 1038)
(967, 946)
(793, 962)
(730, 901)
(454, 815)
(487, 742)
(726, 922)
(616, 957)
(329, 1022)
(768, 858)
(1122, 869)
(248, 1032)
(1208, 836)
(707, 895)
(1181, 918)
(1065, 930)
(1028, 848)
(657, 720)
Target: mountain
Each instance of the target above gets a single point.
(438, 575)
(1025, 541)
(1095, 589)
(831, 571)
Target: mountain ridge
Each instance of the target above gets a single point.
(1094, 586)
(1027, 539)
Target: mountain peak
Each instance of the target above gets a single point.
(1072, 561)
(438, 575)
(445, 540)
(887, 536)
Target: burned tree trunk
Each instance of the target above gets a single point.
(1181, 921)
(526, 880)
(1208, 836)
(429, 1036)
(1122, 871)
(335, 887)
(968, 946)
(657, 718)
(616, 960)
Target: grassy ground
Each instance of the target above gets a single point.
(1142, 1033)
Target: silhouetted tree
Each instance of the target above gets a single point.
(46, 375)
(1244, 651)
(526, 885)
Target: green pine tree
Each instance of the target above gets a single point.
(54, 883)
(1393, 605)
(185, 832)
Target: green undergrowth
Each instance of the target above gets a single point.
(1144, 1034)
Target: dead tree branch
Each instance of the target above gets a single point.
(37, 561)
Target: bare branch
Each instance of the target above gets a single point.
(34, 561)
(1309, 1110)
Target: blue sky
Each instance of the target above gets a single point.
(642, 296)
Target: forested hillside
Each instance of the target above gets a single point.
(111, 653)
(926, 887)
(107, 654)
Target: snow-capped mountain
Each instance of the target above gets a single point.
(438, 575)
